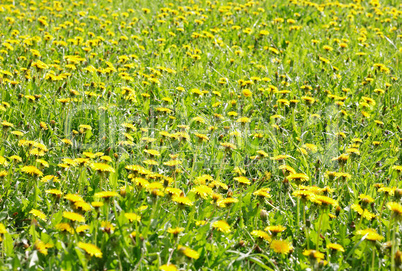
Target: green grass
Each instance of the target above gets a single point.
(179, 72)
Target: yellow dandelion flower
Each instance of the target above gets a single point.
(182, 201)
(336, 247)
(281, 246)
(132, 217)
(222, 203)
(73, 198)
(55, 192)
(275, 229)
(262, 193)
(203, 191)
(38, 214)
(73, 216)
(371, 234)
(168, 267)
(228, 146)
(261, 235)
(106, 194)
(90, 249)
(173, 191)
(279, 157)
(396, 209)
(42, 247)
(325, 201)
(64, 227)
(222, 226)
(242, 180)
(175, 231)
(101, 167)
(298, 177)
(314, 254)
(188, 252)
(32, 170)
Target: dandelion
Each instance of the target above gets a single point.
(188, 252)
(90, 249)
(73, 198)
(202, 191)
(262, 193)
(325, 201)
(32, 170)
(38, 214)
(2, 231)
(242, 180)
(182, 201)
(168, 267)
(281, 246)
(335, 247)
(106, 194)
(101, 167)
(64, 227)
(274, 230)
(298, 177)
(175, 231)
(396, 209)
(371, 234)
(42, 247)
(228, 146)
(314, 254)
(288, 170)
(221, 226)
(82, 228)
(73, 216)
(222, 203)
(279, 157)
(132, 217)
(54, 192)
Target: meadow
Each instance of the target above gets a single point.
(200, 135)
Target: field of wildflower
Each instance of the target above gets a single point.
(200, 135)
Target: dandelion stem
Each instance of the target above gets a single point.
(393, 245)
(319, 229)
(382, 207)
(305, 227)
(298, 216)
(220, 168)
(373, 260)
(154, 207)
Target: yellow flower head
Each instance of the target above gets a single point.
(175, 231)
(275, 229)
(371, 234)
(182, 201)
(42, 247)
(242, 180)
(106, 194)
(396, 209)
(281, 246)
(38, 214)
(314, 254)
(336, 247)
(101, 167)
(73, 198)
(168, 267)
(90, 249)
(132, 217)
(298, 177)
(222, 226)
(32, 170)
(188, 252)
(64, 227)
(261, 235)
(73, 216)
